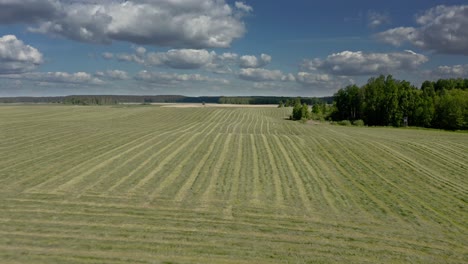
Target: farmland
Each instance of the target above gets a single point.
(149, 184)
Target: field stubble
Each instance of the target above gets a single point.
(225, 185)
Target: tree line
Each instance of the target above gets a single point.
(385, 101)
(116, 99)
(281, 100)
(320, 109)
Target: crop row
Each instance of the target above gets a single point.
(225, 185)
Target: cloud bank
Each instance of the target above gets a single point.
(458, 71)
(174, 78)
(351, 63)
(250, 61)
(264, 75)
(191, 59)
(443, 29)
(182, 58)
(188, 23)
(113, 74)
(58, 77)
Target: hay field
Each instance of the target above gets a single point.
(147, 184)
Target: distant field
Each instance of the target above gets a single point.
(191, 105)
(147, 184)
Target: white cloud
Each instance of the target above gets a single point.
(288, 78)
(228, 56)
(140, 51)
(268, 85)
(244, 7)
(396, 36)
(58, 77)
(376, 19)
(16, 57)
(265, 58)
(174, 78)
(175, 58)
(117, 74)
(349, 63)
(192, 59)
(443, 29)
(107, 55)
(455, 71)
(249, 61)
(264, 75)
(130, 58)
(182, 58)
(312, 78)
(113, 74)
(321, 83)
(174, 23)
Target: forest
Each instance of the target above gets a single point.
(385, 101)
(147, 99)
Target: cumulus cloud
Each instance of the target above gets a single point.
(107, 55)
(182, 58)
(174, 78)
(188, 23)
(228, 56)
(113, 74)
(455, 71)
(376, 19)
(17, 57)
(396, 36)
(267, 85)
(264, 75)
(249, 61)
(129, 57)
(174, 58)
(58, 77)
(349, 63)
(443, 29)
(140, 51)
(323, 84)
(244, 7)
(312, 78)
(188, 59)
(27, 11)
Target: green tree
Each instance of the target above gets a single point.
(297, 112)
(348, 103)
(387, 101)
(372, 106)
(317, 109)
(452, 110)
(300, 111)
(305, 113)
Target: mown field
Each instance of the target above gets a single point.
(147, 184)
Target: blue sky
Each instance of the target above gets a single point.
(218, 47)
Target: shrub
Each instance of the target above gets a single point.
(344, 123)
(358, 122)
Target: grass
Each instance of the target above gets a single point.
(225, 185)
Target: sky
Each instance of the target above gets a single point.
(225, 47)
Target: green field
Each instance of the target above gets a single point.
(147, 184)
